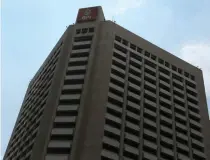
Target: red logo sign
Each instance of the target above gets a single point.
(87, 14)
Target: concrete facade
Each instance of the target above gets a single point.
(109, 94)
(208, 145)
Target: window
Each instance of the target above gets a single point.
(91, 30)
(177, 77)
(85, 46)
(150, 113)
(131, 130)
(174, 68)
(132, 46)
(134, 80)
(58, 150)
(139, 50)
(79, 62)
(112, 121)
(118, 63)
(161, 61)
(190, 84)
(180, 71)
(135, 63)
(184, 152)
(149, 87)
(133, 55)
(78, 31)
(131, 142)
(186, 74)
(192, 100)
(61, 137)
(147, 54)
(118, 47)
(153, 57)
(167, 64)
(165, 131)
(114, 112)
(109, 132)
(119, 56)
(117, 38)
(149, 78)
(198, 147)
(165, 95)
(179, 94)
(117, 72)
(134, 71)
(135, 98)
(150, 125)
(125, 42)
(83, 38)
(134, 90)
(130, 155)
(115, 91)
(164, 71)
(82, 54)
(117, 82)
(114, 101)
(179, 101)
(63, 125)
(132, 119)
(151, 64)
(191, 93)
(84, 30)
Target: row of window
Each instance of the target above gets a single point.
(150, 67)
(119, 62)
(32, 109)
(111, 145)
(155, 58)
(64, 124)
(85, 30)
(132, 132)
(118, 68)
(49, 63)
(150, 107)
(114, 115)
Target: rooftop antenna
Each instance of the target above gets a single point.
(113, 19)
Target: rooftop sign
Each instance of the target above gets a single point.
(87, 14)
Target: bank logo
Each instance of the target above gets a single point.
(87, 12)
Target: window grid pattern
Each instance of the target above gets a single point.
(62, 133)
(132, 110)
(163, 110)
(22, 141)
(115, 107)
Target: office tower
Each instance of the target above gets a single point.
(105, 93)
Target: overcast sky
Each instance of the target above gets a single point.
(31, 28)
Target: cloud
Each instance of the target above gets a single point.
(123, 5)
(198, 54)
(119, 7)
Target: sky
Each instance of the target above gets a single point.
(30, 29)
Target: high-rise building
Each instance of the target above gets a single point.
(106, 93)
